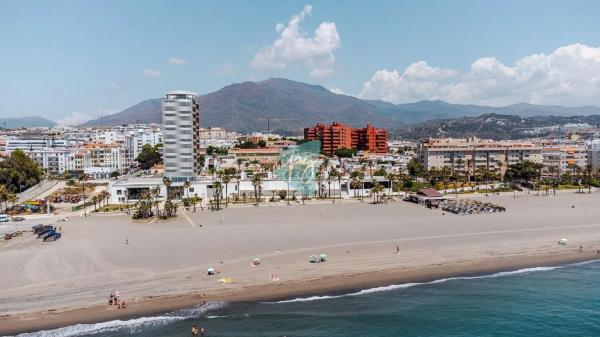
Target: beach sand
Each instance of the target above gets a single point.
(163, 267)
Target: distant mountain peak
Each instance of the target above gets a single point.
(293, 105)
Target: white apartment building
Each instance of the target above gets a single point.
(54, 161)
(181, 118)
(561, 158)
(31, 144)
(458, 154)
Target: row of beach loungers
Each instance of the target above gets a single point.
(465, 207)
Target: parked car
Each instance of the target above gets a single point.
(3, 218)
(18, 218)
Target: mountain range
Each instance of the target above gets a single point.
(291, 105)
(494, 126)
(25, 122)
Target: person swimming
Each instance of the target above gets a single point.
(194, 330)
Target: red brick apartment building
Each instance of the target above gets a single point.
(337, 136)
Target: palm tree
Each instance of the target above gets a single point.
(3, 196)
(355, 184)
(338, 175)
(376, 190)
(217, 188)
(82, 179)
(391, 177)
(589, 169)
(362, 182)
(551, 171)
(319, 177)
(239, 163)
(167, 183)
(459, 163)
(329, 179)
(257, 183)
(186, 186)
(154, 193)
(226, 178)
(370, 164)
(469, 164)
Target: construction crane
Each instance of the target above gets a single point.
(269, 119)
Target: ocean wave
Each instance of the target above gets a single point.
(409, 285)
(131, 326)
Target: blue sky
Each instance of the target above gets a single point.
(72, 60)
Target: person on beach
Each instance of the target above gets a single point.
(397, 250)
(580, 248)
(126, 241)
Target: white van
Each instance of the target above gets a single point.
(3, 218)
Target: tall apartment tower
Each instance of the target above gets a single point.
(181, 118)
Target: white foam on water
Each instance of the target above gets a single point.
(131, 326)
(409, 285)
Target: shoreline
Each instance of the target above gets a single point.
(326, 285)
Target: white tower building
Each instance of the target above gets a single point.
(181, 118)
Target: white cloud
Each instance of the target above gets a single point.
(295, 46)
(226, 70)
(176, 60)
(570, 75)
(74, 119)
(115, 85)
(151, 73)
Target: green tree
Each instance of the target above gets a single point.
(149, 156)
(415, 168)
(19, 172)
(345, 153)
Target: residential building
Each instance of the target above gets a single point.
(469, 154)
(340, 136)
(594, 155)
(181, 118)
(54, 161)
(561, 158)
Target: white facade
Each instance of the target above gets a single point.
(594, 155)
(181, 118)
(54, 161)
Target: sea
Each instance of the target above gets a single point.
(544, 301)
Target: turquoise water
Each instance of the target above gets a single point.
(553, 301)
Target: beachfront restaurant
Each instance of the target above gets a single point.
(427, 197)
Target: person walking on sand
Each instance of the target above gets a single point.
(580, 248)
(397, 250)
(126, 241)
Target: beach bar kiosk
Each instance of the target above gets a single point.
(428, 197)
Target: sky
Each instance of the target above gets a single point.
(70, 61)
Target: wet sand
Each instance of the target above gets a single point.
(164, 265)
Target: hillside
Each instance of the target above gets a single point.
(25, 122)
(293, 105)
(492, 126)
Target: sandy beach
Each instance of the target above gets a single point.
(163, 266)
